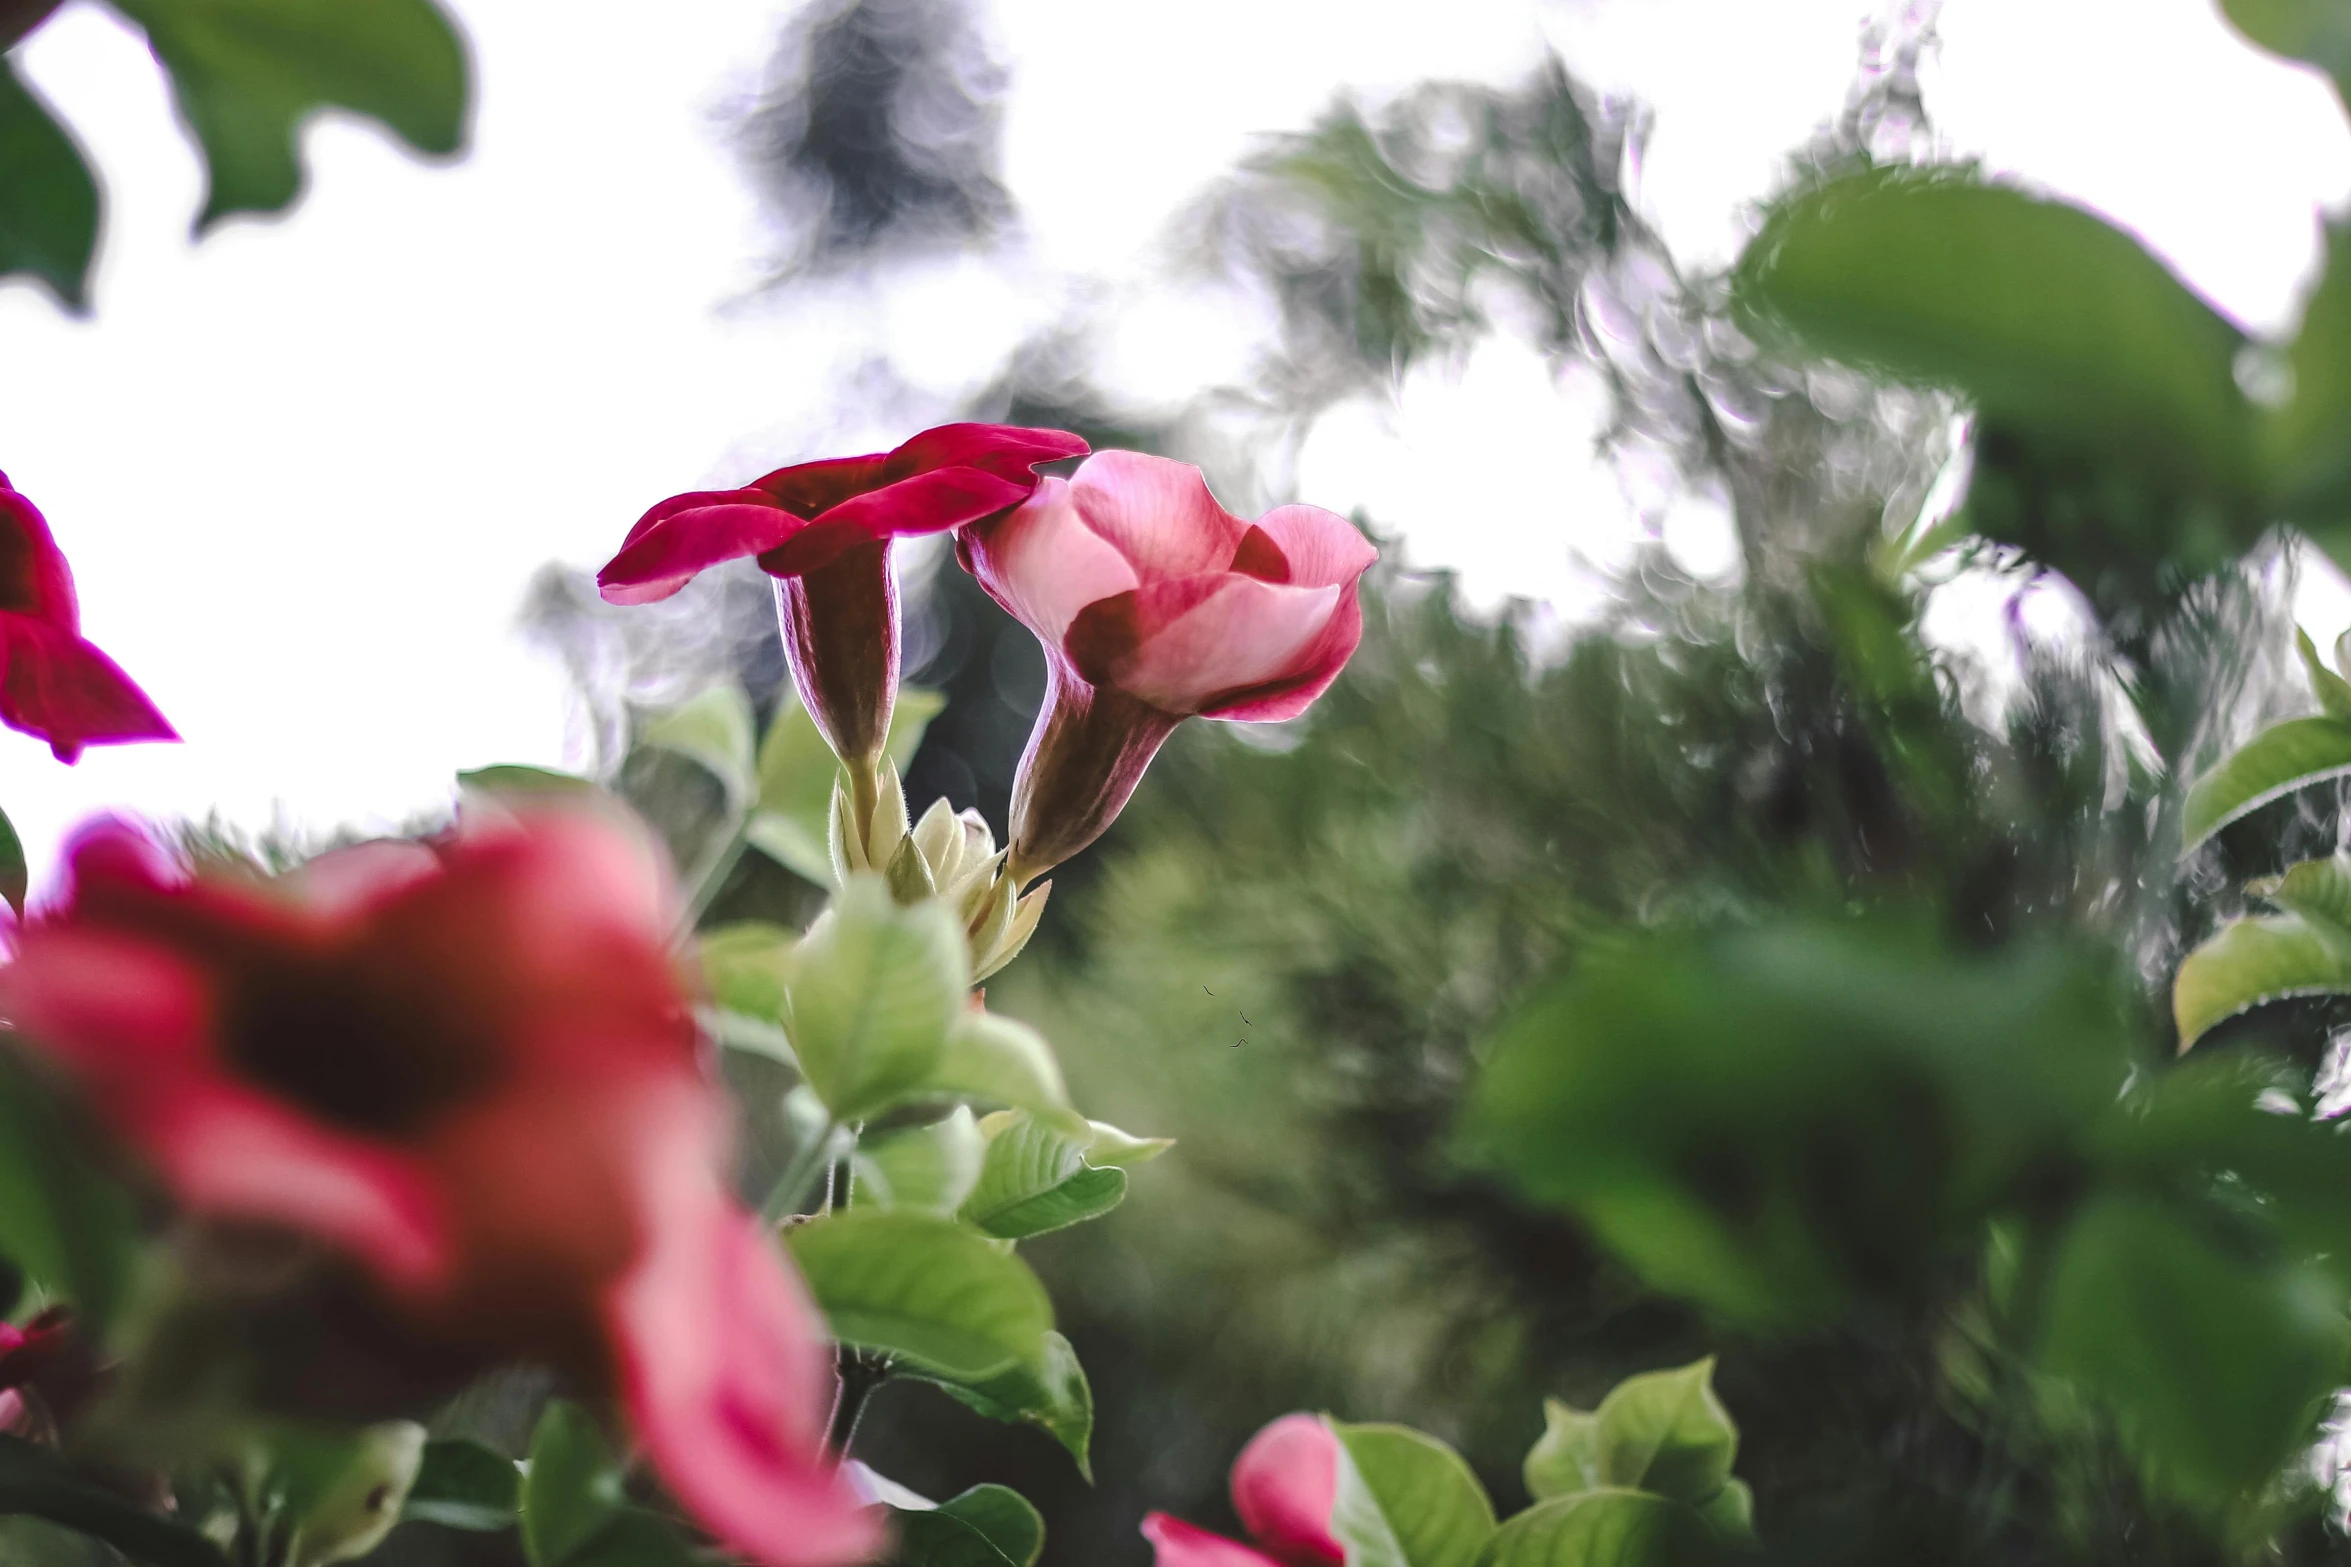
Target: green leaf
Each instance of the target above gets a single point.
(12, 865)
(2306, 441)
(1050, 1393)
(924, 1289)
(2316, 31)
(1769, 1120)
(1731, 1512)
(748, 966)
(875, 991)
(572, 1488)
(796, 773)
(2051, 319)
(635, 1537)
(934, 1537)
(1406, 1500)
(514, 781)
(1035, 1178)
(36, 1481)
(464, 1485)
(1112, 1147)
(2213, 1363)
(714, 732)
(1004, 1518)
(2332, 690)
(63, 1221)
(248, 73)
(1608, 1528)
(991, 1058)
(340, 1495)
(1661, 1431)
(2251, 962)
(2285, 757)
(929, 1169)
(2318, 890)
(48, 197)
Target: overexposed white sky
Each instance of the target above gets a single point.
(304, 469)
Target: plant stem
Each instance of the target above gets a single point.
(713, 879)
(860, 1374)
(865, 792)
(793, 1187)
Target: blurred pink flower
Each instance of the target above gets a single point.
(1156, 604)
(823, 531)
(1284, 1485)
(53, 684)
(471, 1068)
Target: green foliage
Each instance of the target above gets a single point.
(2250, 962)
(34, 1480)
(463, 1485)
(1036, 1177)
(63, 1220)
(930, 1169)
(924, 1290)
(875, 991)
(1049, 1392)
(2292, 755)
(1662, 1431)
(514, 781)
(248, 73)
(12, 866)
(330, 1496)
(48, 197)
(1407, 1500)
(715, 731)
(2303, 439)
(1602, 1528)
(575, 1510)
(797, 772)
(999, 1060)
(2318, 31)
(986, 1526)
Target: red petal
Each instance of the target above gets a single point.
(1284, 1485)
(689, 534)
(926, 503)
(1009, 451)
(810, 489)
(1175, 1543)
(64, 690)
(34, 578)
(1260, 557)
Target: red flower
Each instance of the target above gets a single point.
(472, 1070)
(54, 685)
(1284, 1485)
(823, 531)
(1155, 604)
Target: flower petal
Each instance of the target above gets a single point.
(1313, 673)
(926, 503)
(1323, 548)
(62, 689)
(1043, 564)
(1006, 450)
(34, 578)
(725, 1375)
(1157, 513)
(1190, 644)
(1284, 1485)
(810, 489)
(1175, 1543)
(689, 534)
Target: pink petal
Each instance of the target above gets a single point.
(1157, 513)
(1316, 668)
(1323, 548)
(1043, 564)
(1009, 451)
(1175, 1543)
(1188, 644)
(1284, 1485)
(62, 689)
(726, 1376)
(674, 542)
(926, 503)
(349, 881)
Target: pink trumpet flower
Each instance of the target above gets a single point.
(1285, 1483)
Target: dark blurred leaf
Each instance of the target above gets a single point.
(2213, 1362)
(2307, 440)
(1050, 1392)
(1600, 1529)
(1405, 1499)
(923, 1289)
(1005, 1518)
(37, 1481)
(248, 73)
(2317, 31)
(934, 1537)
(1662, 1431)
(572, 1489)
(464, 1485)
(713, 730)
(48, 197)
(2285, 757)
(636, 1538)
(12, 866)
(62, 1220)
(748, 967)
(1767, 1120)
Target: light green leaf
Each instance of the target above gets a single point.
(1004, 1518)
(48, 197)
(2255, 961)
(1609, 1528)
(1661, 1431)
(1050, 1393)
(790, 844)
(341, 1497)
(2332, 690)
(2050, 318)
(1731, 1512)
(514, 781)
(929, 1169)
(2318, 890)
(1035, 1179)
(796, 775)
(1406, 1500)
(2285, 757)
(876, 992)
(994, 1059)
(748, 967)
(1112, 1147)
(2316, 31)
(714, 732)
(572, 1487)
(2213, 1363)
(464, 1485)
(249, 73)
(925, 1290)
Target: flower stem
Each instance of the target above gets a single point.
(865, 793)
(861, 1372)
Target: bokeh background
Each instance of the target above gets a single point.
(332, 492)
